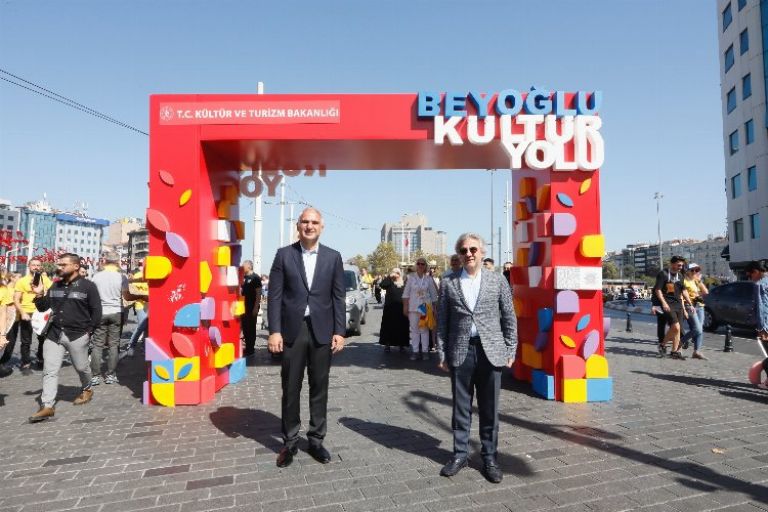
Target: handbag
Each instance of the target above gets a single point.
(41, 322)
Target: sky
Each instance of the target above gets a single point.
(656, 62)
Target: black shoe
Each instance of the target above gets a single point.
(686, 344)
(492, 472)
(662, 350)
(285, 457)
(5, 371)
(453, 467)
(677, 355)
(319, 453)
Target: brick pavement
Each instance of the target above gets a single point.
(679, 436)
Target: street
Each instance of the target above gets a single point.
(678, 435)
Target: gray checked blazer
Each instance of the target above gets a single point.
(493, 315)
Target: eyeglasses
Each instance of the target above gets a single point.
(420, 263)
(465, 250)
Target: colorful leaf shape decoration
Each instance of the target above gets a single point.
(542, 340)
(583, 322)
(166, 178)
(177, 244)
(546, 316)
(591, 342)
(158, 220)
(184, 371)
(182, 344)
(565, 200)
(567, 341)
(184, 197)
(585, 186)
(162, 372)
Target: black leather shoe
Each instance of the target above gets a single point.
(492, 472)
(285, 457)
(319, 453)
(453, 467)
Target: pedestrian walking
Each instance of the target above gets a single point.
(695, 291)
(419, 296)
(23, 299)
(756, 272)
(394, 331)
(251, 292)
(112, 285)
(137, 285)
(76, 311)
(307, 324)
(669, 290)
(477, 337)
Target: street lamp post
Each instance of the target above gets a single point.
(658, 196)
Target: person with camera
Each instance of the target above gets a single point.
(23, 299)
(76, 311)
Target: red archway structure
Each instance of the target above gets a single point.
(201, 145)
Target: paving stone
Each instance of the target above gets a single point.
(69, 460)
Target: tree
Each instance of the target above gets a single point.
(610, 271)
(418, 253)
(383, 259)
(629, 272)
(359, 260)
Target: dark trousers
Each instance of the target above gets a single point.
(475, 373)
(21, 331)
(248, 323)
(661, 327)
(305, 352)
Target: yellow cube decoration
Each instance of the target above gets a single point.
(574, 390)
(225, 355)
(592, 246)
(597, 367)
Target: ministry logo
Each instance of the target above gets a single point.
(166, 113)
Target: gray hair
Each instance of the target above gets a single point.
(470, 236)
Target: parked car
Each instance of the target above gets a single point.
(731, 303)
(357, 299)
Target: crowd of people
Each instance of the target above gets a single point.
(471, 328)
(69, 313)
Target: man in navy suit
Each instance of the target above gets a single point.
(307, 323)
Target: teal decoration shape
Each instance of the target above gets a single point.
(565, 200)
(184, 371)
(188, 316)
(583, 322)
(546, 316)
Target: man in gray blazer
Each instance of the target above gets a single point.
(476, 338)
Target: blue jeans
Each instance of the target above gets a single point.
(695, 329)
(142, 320)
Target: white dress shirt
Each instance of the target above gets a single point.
(309, 257)
(470, 287)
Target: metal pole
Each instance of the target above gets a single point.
(658, 196)
(257, 217)
(257, 229)
(30, 246)
(282, 213)
(506, 221)
(500, 262)
(491, 247)
(291, 229)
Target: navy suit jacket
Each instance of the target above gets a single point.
(289, 294)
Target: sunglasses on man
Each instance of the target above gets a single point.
(465, 250)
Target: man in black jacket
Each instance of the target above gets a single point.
(76, 309)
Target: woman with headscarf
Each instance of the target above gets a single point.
(394, 325)
(419, 296)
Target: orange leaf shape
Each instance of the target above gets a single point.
(567, 341)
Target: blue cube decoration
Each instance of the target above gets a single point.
(237, 371)
(599, 390)
(543, 384)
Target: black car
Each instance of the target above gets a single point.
(731, 303)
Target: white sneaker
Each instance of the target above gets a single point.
(95, 381)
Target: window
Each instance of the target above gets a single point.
(729, 58)
(742, 4)
(736, 186)
(733, 140)
(738, 230)
(730, 101)
(754, 226)
(746, 86)
(727, 16)
(744, 42)
(2, 216)
(749, 127)
(752, 178)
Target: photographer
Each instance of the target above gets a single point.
(23, 298)
(76, 310)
